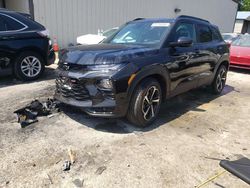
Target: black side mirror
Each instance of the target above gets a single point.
(182, 42)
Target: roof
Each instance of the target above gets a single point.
(243, 15)
(169, 19)
(153, 20)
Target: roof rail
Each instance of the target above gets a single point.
(136, 19)
(191, 17)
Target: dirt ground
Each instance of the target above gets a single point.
(182, 149)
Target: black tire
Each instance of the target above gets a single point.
(219, 81)
(21, 61)
(139, 105)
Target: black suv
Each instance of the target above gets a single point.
(25, 47)
(145, 62)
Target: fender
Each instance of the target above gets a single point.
(159, 70)
(223, 58)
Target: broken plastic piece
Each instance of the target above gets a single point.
(29, 114)
(66, 166)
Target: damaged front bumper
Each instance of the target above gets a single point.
(80, 89)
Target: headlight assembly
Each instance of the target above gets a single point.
(105, 84)
(106, 67)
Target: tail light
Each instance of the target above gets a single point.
(44, 33)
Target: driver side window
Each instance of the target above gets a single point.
(185, 30)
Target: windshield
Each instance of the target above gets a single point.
(142, 33)
(243, 41)
(110, 32)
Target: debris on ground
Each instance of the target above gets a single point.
(72, 156)
(29, 114)
(66, 166)
(100, 170)
(50, 179)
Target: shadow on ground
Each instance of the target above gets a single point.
(49, 73)
(238, 70)
(170, 110)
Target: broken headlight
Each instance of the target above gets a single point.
(105, 84)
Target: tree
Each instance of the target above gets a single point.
(245, 5)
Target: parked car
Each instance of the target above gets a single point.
(145, 62)
(25, 46)
(240, 52)
(95, 39)
(230, 37)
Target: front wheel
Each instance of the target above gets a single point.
(145, 103)
(28, 66)
(219, 80)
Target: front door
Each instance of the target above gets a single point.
(183, 62)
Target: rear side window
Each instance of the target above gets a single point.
(204, 34)
(216, 34)
(10, 24)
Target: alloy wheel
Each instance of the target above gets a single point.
(221, 79)
(31, 66)
(151, 103)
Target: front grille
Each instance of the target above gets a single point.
(72, 88)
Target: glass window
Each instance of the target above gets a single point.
(110, 32)
(185, 30)
(204, 34)
(9, 24)
(2, 25)
(243, 41)
(144, 33)
(216, 34)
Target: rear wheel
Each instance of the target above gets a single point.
(145, 103)
(28, 66)
(219, 80)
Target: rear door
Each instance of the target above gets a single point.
(207, 49)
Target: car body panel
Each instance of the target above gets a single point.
(240, 56)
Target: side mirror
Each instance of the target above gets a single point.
(182, 42)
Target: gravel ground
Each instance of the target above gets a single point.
(182, 149)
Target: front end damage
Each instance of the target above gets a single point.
(95, 78)
(86, 91)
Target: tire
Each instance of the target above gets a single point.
(219, 80)
(144, 108)
(29, 66)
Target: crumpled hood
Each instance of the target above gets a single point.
(103, 54)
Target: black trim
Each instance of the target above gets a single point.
(192, 17)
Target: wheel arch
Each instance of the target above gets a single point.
(224, 60)
(160, 73)
(30, 49)
(226, 63)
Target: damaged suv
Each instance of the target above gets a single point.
(145, 62)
